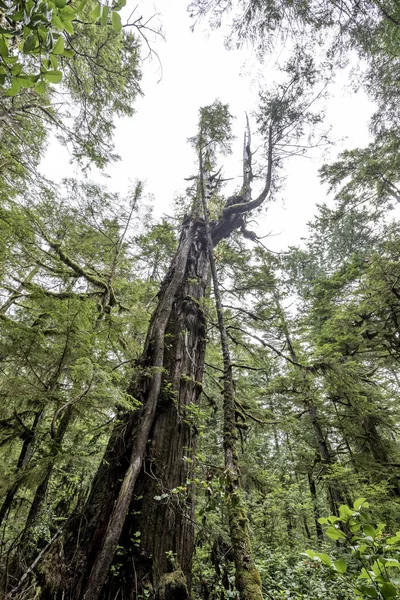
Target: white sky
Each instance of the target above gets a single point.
(197, 69)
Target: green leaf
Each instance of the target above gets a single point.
(104, 15)
(392, 562)
(57, 23)
(68, 53)
(377, 569)
(358, 503)
(67, 13)
(40, 87)
(29, 7)
(119, 4)
(18, 16)
(29, 43)
(392, 540)
(95, 14)
(319, 556)
(42, 34)
(345, 512)
(60, 3)
(364, 574)
(53, 76)
(81, 6)
(369, 590)
(116, 21)
(335, 534)
(369, 530)
(354, 525)
(360, 549)
(17, 69)
(53, 61)
(25, 81)
(59, 46)
(380, 528)
(68, 27)
(14, 89)
(49, 41)
(388, 590)
(325, 559)
(340, 565)
(3, 47)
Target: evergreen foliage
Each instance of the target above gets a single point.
(138, 459)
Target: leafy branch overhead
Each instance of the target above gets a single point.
(36, 38)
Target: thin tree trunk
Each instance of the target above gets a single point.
(313, 493)
(248, 580)
(41, 490)
(23, 459)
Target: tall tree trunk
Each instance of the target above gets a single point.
(158, 535)
(247, 578)
(145, 455)
(150, 450)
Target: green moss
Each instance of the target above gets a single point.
(173, 586)
(248, 581)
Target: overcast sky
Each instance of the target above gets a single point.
(197, 69)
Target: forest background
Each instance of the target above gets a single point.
(190, 408)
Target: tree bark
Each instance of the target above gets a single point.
(313, 493)
(159, 560)
(146, 451)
